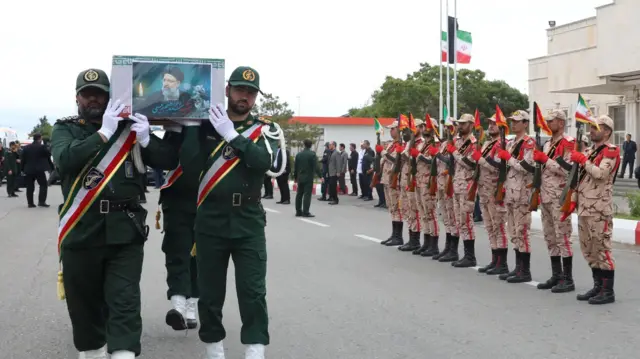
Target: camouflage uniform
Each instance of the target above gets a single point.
(445, 199)
(426, 202)
(519, 176)
(595, 214)
(392, 196)
(408, 200)
(493, 213)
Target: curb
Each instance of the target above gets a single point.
(316, 188)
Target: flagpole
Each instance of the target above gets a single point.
(455, 59)
(440, 57)
(447, 62)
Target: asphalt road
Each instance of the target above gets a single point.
(334, 292)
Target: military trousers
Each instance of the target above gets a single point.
(303, 197)
(427, 210)
(102, 286)
(595, 241)
(494, 216)
(392, 197)
(519, 225)
(557, 233)
(250, 260)
(409, 209)
(464, 216)
(182, 268)
(446, 210)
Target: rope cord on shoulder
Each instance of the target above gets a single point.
(278, 134)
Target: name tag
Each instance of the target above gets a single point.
(128, 169)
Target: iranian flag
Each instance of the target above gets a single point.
(463, 51)
(584, 114)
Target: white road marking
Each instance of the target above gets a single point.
(313, 222)
(368, 238)
(475, 268)
(270, 210)
(533, 283)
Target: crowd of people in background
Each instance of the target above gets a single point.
(22, 167)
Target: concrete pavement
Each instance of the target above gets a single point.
(334, 292)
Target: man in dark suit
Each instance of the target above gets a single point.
(367, 173)
(354, 158)
(35, 161)
(629, 150)
(283, 179)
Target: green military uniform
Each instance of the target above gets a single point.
(306, 166)
(178, 202)
(10, 164)
(230, 222)
(102, 255)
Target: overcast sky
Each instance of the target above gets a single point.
(331, 54)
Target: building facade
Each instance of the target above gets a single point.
(598, 57)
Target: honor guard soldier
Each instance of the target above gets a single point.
(392, 195)
(555, 158)
(408, 198)
(102, 228)
(426, 199)
(236, 151)
(178, 197)
(493, 213)
(463, 208)
(519, 156)
(305, 167)
(598, 167)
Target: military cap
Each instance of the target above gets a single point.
(557, 114)
(466, 117)
(605, 120)
(418, 122)
(492, 118)
(92, 78)
(393, 124)
(245, 76)
(519, 115)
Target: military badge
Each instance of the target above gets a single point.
(248, 75)
(128, 169)
(91, 76)
(93, 178)
(228, 152)
(81, 121)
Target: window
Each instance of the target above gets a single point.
(618, 115)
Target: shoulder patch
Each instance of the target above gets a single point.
(611, 151)
(68, 119)
(569, 138)
(264, 120)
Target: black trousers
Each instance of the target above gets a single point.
(42, 183)
(365, 183)
(381, 197)
(283, 185)
(625, 162)
(333, 188)
(268, 186)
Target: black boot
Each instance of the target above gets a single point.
(491, 265)
(597, 285)
(469, 259)
(393, 233)
(447, 246)
(515, 270)
(606, 294)
(556, 274)
(501, 266)
(566, 283)
(524, 274)
(397, 240)
(433, 249)
(426, 245)
(452, 254)
(412, 244)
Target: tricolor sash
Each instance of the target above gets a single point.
(224, 163)
(172, 177)
(92, 180)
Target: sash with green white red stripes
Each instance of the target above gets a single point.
(92, 180)
(221, 166)
(171, 177)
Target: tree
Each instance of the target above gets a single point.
(419, 94)
(43, 127)
(280, 113)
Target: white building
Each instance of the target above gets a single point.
(598, 57)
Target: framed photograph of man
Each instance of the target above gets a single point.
(163, 88)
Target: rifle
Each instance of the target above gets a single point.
(396, 167)
(451, 168)
(473, 190)
(502, 170)
(433, 176)
(376, 165)
(572, 180)
(534, 200)
(414, 165)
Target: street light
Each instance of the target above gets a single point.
(552, 23)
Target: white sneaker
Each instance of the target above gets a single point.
(192, 313)
(175, 317)
(215, 351)
(123, 354)
(94, 354)
(254, 351)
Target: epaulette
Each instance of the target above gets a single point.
(568, 138)
(611, 151)
(529, 142)
(69, 119)
(264, 120)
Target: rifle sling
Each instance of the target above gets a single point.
(469, 163)
(389, 157)
(592, 157)
(564, 164)
(492, 162)
(424, 160)
(527, 167)
(444, 159)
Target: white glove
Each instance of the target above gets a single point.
(221, 123)
(141, 127)
(173, 128)
(110, 119)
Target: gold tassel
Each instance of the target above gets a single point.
(158, 215)
(193, 250)
(61, 294)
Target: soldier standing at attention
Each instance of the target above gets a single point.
(236, 150)
(392, 195)
(555, 158)
(408, 199)
(462, 150)
(305, 167)
(102, 227)
(598, 166)
(178, 199)
(493, 213)
(519, 154)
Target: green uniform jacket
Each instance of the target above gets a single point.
(183, 194)
(306, 166)
(10, 163)
(73, 145)
(216, 216)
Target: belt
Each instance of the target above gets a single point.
(238, 199)
(105, 206)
